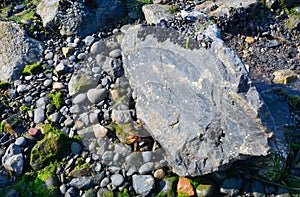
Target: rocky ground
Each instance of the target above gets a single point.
(69, 124)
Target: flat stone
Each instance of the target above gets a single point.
(147, 156)
(205, 189)
(117, 180)
(121, 116)
(21, 88)
(105, 182)
(143, 184)
(191, 100)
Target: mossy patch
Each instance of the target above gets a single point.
(122, 131)
(32, 69)
(56, 99)
(33, 184)
(53, 147)
(3, 85)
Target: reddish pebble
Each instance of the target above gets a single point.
(33, 131)
(184, 187)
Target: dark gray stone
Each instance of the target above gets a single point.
(16, 50)
(86, 182)
(231, 186)
(74, 17)
(198, 103)
(143, 184)
(76, 148)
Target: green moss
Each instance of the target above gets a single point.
(25, 108)
(123, 193)
(57, 99)
(82, 82)
(122, 130)
(54, 146)
(107, 194)
(32, 68)
(2, 125)
(172, 9)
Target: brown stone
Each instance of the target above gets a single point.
(99, 131)
(284, 76)
(184, 187)
(159, 174)
(249, 39)
(33, 131)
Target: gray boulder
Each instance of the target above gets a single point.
(13, 159)
(16, 50)
(198, 103)
(78, 17)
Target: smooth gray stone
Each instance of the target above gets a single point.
(89, 40)
(147, 167)
(117, 180)
(80, 98)
(98, 47)
(147, 156)
(39, 115)
(198, 103)
(105, 182)
(143, 184)
(115, 53)
(96, 95)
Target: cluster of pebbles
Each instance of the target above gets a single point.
(90, 110)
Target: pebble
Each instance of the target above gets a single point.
(97, 47)
(60, 67)
(159, 174)
(96, 69)
(273, 43)
(33, 131)
(39, 115)
(105, 182)
(21, 141)
(231, 186)
(147, 167)
(76, 148)
(26, 22)
(28, 99)
(55, 117)
(58, 85)
(89, 40)
(184, 187)
(21, 88)
(99, 131)
(108, 156)
(63, 189)
(115, 53)
(49, 56)
(117, 180)
(47, 82)
(81, 56)
(147, 156)
(80, 98)
(96, 95)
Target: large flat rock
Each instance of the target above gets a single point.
(16, 50)
(198, 103)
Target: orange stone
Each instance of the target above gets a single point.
(184, 187)
(249, 39)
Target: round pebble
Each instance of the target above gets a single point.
(80, 98)
(147, 167)
(115, 53)
(89, 40)
(28, 99)
(159, 174)
(117, 180)
(20, 141)
(104, 182)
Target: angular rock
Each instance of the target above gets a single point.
(81, 82)
(96, 95)
(198, 103)
(284, 76)
(13, 159)
(143, 184)
(184, 187)
(156, 12)
(16, 50)
(74, 17)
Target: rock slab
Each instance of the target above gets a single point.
(16, 50)
(198, 103)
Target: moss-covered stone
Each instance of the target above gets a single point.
(51, 148)
(123, 131)
(12, 125)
